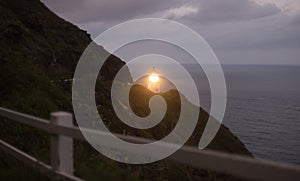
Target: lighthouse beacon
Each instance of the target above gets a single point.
(153, 81)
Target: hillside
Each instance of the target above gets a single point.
(38, 54)
(139, 99)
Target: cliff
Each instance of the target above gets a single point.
(38, 55)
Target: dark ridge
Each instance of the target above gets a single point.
(38, 55)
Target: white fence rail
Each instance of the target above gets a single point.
(63, 132)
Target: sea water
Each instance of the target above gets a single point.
(263, 109)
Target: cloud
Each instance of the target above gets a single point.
(269, 40)
(239, 31)
(180, 12)
(291, 6)
(211, 11)
(269, 32)
(84, 11)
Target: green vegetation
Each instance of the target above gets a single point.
(38, 51)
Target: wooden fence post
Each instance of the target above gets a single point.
(62, 146)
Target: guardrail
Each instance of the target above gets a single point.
(63, 132)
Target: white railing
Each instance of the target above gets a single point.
(63, 132)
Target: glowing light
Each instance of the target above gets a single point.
(153, 77)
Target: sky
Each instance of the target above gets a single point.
(239, 31)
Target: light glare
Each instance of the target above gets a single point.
(153, 78)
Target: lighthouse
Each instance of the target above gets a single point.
(153, 81)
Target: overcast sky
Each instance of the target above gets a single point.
(239, 31)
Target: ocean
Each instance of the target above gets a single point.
(263, 109)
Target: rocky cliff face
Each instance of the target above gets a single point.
(38, 55)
